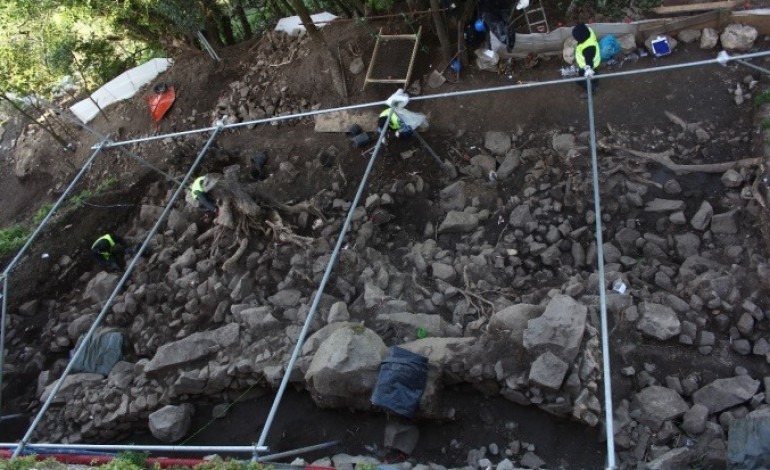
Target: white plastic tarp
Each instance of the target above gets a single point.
(122, 87)
(292, 25)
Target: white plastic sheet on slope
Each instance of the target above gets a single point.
(122, 87)
(292, 25)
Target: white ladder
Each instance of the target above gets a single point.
(536, 20)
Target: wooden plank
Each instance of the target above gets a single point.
(710, 19)
(696, 7)
(386, 80)
(371, 62)
(411, 59)
(387, 37)
(760, 21)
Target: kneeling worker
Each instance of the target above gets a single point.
(396, 124)
(587, 53)
(109, 250)
(198, 190)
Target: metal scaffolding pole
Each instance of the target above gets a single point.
(453, 94)
(319, 292)
(301, 450)
(609, 425)
(23, 250)
(752, 66)
(114, 294)
(130, 447)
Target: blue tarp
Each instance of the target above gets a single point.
(401, 382)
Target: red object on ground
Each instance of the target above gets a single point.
(160, 103)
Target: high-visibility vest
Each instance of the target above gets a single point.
(197, 186)
(590, 42)
(108, 237)
(395, 123)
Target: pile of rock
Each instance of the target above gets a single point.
(263, 91)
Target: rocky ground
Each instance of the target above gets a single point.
(498, 274)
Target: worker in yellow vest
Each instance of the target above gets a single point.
(198, 190)
(396, 124)
(587, 54)
(109, 251)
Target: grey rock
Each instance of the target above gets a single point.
(459, 222)
(725, 393)
(402, 437)
(559, 330)
(658, 404)
(453, 196)
(440, 351)
(738, 37)
(510, 163)
(193, 348)
(520, 216)
(443, 271)
(497, 142)
(69, 387)
(171, 423)
(687, 244)
(100, 287)
(694, 421)
(486, 162)
(512, 321)
(725, 223)
(548, 371)
(674, 459)
(258, 318)
(563, 143)
(530, 460)
(664, 205)
(338, 313)
(658, 321)
(286, 298)
(356, 65)
(702, 218)
(344, 369)
(732, 179)
(688, 35)
(709, 38)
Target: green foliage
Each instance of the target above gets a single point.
(219, 464)
(79, 199)
(41, 213)
(12, 238)
(766, 124)
(30, 462)
(610, 9)
(127, 461)
(380, 5)
(762, 98)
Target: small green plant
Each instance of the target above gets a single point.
(219, 464)
(12, 238)
(766, 123)
(762, 98)
(366, 466)
(29, 462)
(79, 199)
(127, 461)
(41, 213)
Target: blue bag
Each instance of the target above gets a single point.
(609, 47)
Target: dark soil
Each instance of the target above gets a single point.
(634, 104)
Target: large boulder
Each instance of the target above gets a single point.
(548, 371)
(459, 222)
(100, 287)
(738, 37)
(344, 370)
(195, 347)
(497, 142)
(725, 393)
(658, 321)
(658, 404)
(559, 330)
(440, 351)
(171, 423)
(511, 322)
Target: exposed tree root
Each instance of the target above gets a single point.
(229, 265)
(664, 159)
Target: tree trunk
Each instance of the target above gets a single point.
(287, 7)
(441, 29)
(360, 7)
(33, 120)
(344, 8)
(317, 37)
(240, 13)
